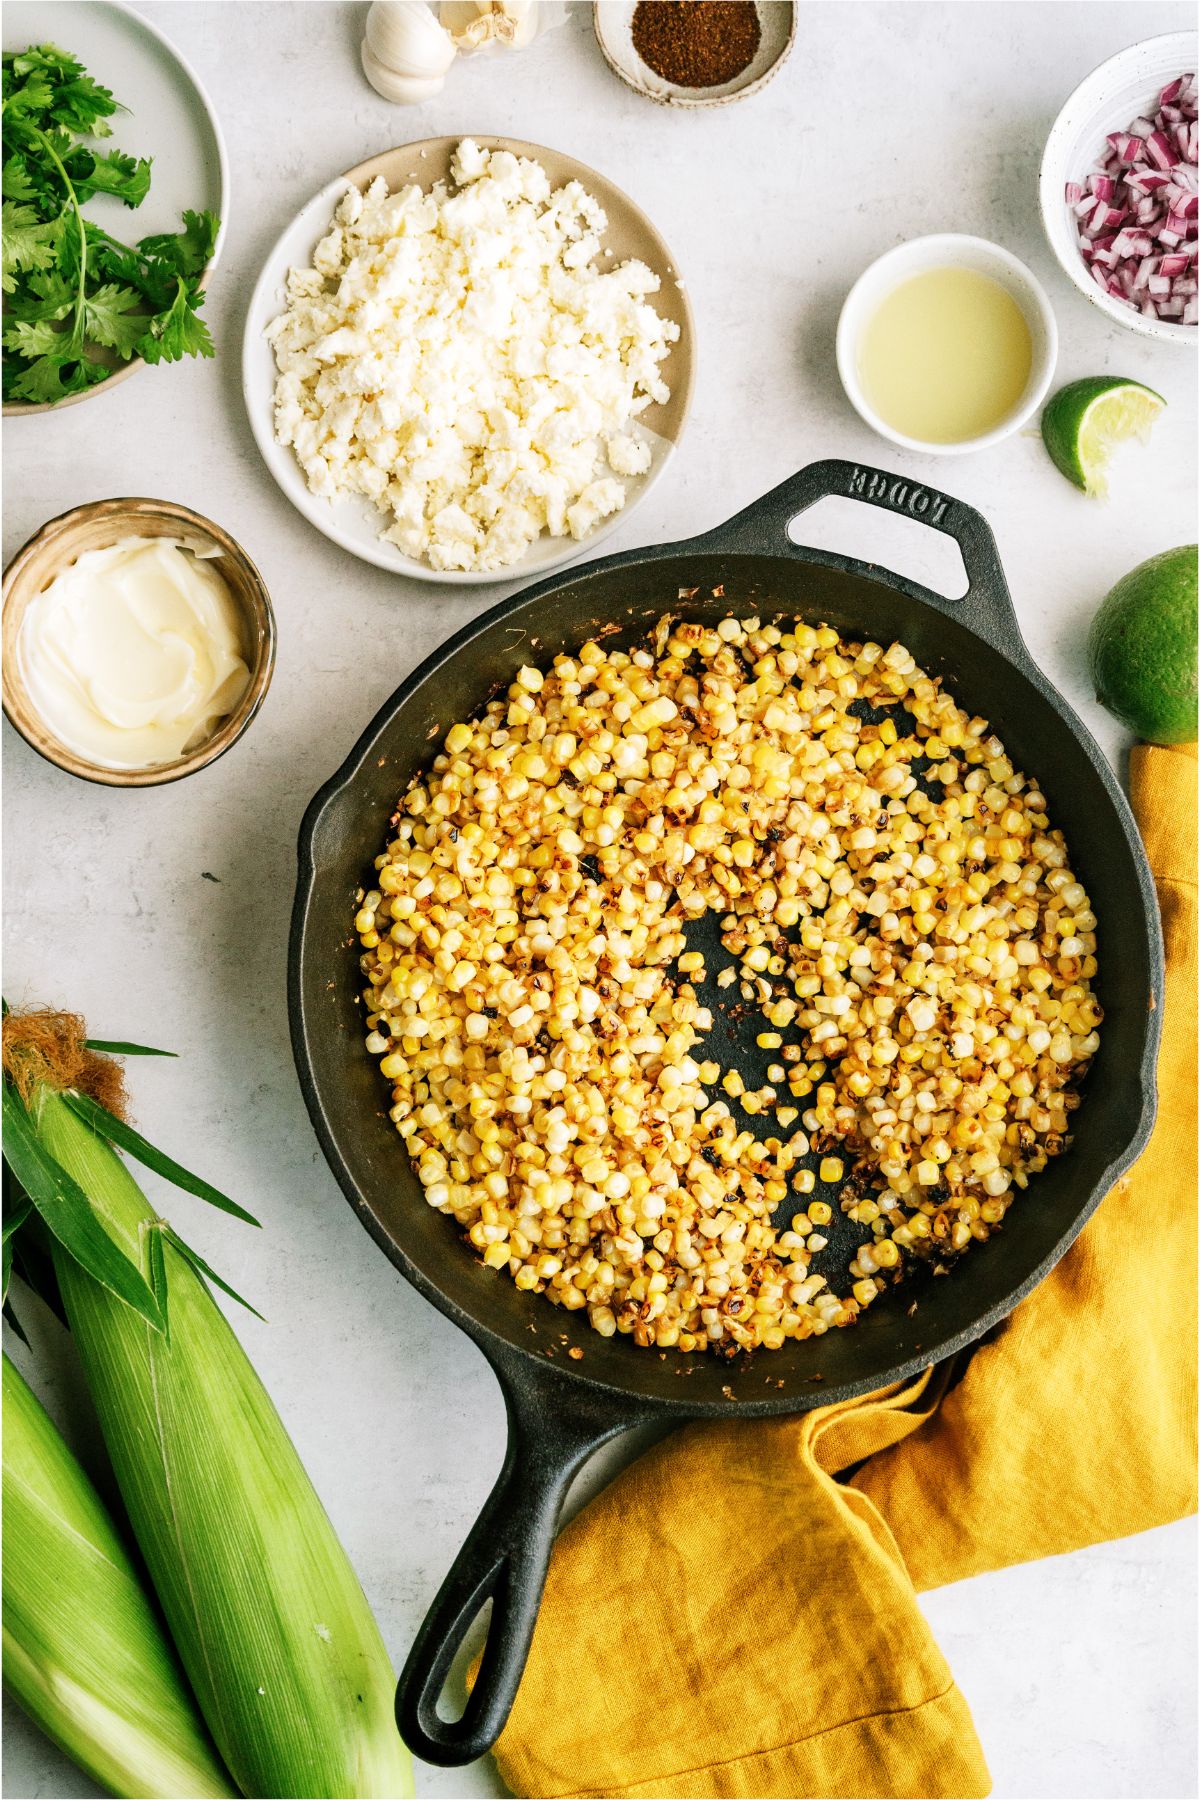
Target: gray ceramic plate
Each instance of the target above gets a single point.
(170, 119)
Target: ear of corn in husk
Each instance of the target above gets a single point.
(85, 1652)
(265, 1610)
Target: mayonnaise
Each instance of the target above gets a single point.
(133, 654)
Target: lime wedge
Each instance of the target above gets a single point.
(1086, 421)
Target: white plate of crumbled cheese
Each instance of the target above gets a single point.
(466, 360)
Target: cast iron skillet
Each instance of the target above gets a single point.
(560, 1409)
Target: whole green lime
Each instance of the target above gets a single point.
(1142, 648)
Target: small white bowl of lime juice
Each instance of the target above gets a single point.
(946, 344)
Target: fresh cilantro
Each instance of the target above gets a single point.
(78, 302)
(177, 332)
(28, 242)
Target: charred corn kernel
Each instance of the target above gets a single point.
(533, 999)
(820, 1212)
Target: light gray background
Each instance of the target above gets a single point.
(890, 120)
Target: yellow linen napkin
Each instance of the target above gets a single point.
(729, 1619)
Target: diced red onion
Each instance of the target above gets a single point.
(1135, 210)
(1160, 150)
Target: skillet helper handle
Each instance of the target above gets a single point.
(986, 607)
(553, 1427)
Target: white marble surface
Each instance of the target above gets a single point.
(163, 914)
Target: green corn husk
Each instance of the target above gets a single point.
(84, 1651)
(270, 1622)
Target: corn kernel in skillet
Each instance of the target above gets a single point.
(920, 964)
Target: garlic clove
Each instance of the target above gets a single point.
(404, 36)
(473, 24)
(405, 90)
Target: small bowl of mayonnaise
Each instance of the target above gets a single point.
(138, 639)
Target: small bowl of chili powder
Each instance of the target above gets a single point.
(695, 52)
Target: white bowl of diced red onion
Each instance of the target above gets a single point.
(1119, 188)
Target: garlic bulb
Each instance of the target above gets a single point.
(405, 90)
(405, 53)
(473, 24)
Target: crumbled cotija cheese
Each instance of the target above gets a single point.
(458, 358)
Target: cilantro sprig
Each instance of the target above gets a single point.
(77, 301)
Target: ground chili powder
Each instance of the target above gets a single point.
(696, 43)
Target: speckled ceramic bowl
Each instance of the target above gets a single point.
(96, 526)
(1109, 99)
(614, 33)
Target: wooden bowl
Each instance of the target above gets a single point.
(97, 526)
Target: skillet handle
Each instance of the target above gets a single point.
(986, 608)
(554, 1424)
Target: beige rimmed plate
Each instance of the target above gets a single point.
(613, 23)
(355, 524)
